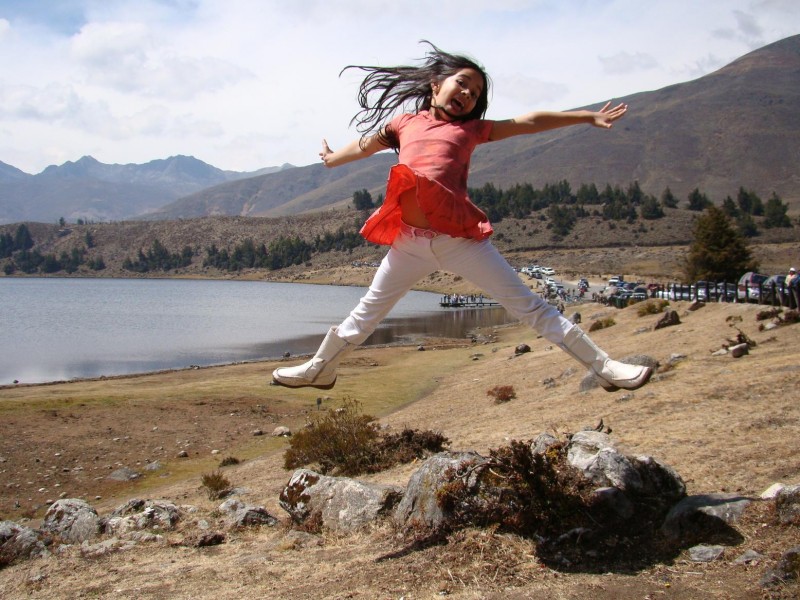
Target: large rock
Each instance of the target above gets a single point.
(420, 505)
(695, 515)
(600, 461)
(137, 514)
(18, 541)
(72, 519)
(596, 455)
(787, 505)
(340, 504)
(240, 514)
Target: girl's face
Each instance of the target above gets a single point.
(455, 97)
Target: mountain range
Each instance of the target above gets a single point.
(736, 127)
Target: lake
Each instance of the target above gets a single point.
(54, 329)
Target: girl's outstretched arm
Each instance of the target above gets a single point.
(536, 122)
(355, 150)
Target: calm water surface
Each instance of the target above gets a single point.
(57, 329)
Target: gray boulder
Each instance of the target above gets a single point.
(137, 515)
(341, 504)
(597, 456)
(18, 541)
(241, 514)
(420, 505)
(705, 512)
(787, 569)
(72, 519)
(787, 505)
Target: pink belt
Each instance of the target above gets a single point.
(418, 232)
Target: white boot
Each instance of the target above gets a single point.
(320, 371)
(610, 374)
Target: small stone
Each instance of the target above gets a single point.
(772, 491)
(739, 350)
(705, 554)
(183, 454)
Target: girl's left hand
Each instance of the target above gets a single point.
(607, 115)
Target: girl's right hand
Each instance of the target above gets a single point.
(326, 152)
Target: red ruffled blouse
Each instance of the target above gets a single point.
(434, 159)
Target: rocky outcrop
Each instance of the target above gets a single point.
(336, 503)
(420, 504)
(71, 519)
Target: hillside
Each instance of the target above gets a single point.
(725, 425)
(645, 250)
(737, 127)
(92, 191)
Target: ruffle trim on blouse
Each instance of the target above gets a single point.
(447, 213)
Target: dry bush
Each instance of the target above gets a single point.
(502, 393)
(216, 484)
(651, 307)
(602, 324)
(229, 461)
(522, 492)
(347, 442)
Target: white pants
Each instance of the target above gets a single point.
(413, 257)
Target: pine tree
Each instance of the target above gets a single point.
(698, 201)
(719, 252)
(775, 213)
(668, 199)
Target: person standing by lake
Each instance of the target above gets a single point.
(427, 218)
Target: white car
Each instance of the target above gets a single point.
(547, 271)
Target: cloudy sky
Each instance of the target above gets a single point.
(245, 84)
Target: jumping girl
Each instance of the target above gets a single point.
(426, 216)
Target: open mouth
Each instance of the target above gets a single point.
(457, 104)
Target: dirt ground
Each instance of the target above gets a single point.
(723, 424)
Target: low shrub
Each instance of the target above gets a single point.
(502, 393)
(651, 307)
(216, 484)
(602, 324)
(228, 461)
(347, 442)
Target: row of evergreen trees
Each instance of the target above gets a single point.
(18, 248)
(282, 252)
(563, 209)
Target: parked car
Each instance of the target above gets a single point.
(547, 271)
(726, 292)
(639, 293)
(775, 290)
(705, 291)
(749, 287)
(676, 291)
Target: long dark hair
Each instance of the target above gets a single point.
(385, 89)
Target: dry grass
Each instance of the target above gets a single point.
(723, 424)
